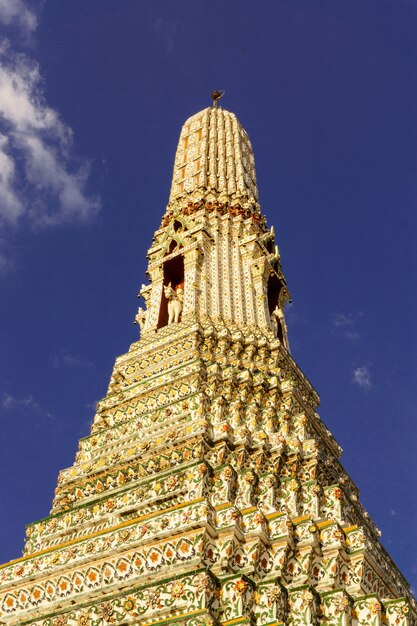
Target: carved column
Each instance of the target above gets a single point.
(192, 270)
(247, 248)
(260, 273)
(157, 280)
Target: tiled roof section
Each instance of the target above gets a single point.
(214, 160)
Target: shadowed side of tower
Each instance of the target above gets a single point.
(209, 491)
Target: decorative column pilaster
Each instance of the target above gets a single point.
(192, 270)
(157, 280)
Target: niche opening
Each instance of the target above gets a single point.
(174, 274)
(274, 288)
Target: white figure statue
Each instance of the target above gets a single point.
(276, 320)
(175, 299)
(140, 318)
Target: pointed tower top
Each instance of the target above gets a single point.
(214, 161)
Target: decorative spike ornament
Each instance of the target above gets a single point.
(209, 491)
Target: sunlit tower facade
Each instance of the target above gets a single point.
(209, 491)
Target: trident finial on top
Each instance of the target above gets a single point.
(216, 95)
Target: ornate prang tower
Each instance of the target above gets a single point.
(209, 491)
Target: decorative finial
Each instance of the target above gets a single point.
(216, 95)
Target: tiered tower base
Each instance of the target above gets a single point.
(209, 492)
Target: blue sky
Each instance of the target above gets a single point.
(93, 94)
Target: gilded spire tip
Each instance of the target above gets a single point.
(216, 95)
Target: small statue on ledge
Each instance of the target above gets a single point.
(140, 318)
(175, 299)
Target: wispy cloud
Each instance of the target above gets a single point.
(41, 181)
(64, 359)
(345, 326)
(167, 31)
(24, 403)
(362, 377)
(11, 402)
(17, 12)
(26, 407)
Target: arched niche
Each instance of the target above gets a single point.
(178, 226)
(275, 300)
(173, 273)
(173, 246)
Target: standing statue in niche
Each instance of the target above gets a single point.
(276, 316)
(175, 299)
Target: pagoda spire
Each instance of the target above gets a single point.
(214, 162)
(208, 492)
(213, 249)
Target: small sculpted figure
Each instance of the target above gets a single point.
(175, 299)
(276, 320)
(217, 409)
(246, 486)
(140, 318)
(118, 380)
(235, 412)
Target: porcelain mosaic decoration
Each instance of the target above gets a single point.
(209, 491)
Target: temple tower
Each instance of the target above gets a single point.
(209, 491)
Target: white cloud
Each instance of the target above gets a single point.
(64, 359)
(11, 403)
(41, 182)
(362, 377)
(344, 326)
(10, 204)
(23, 406)
(17, 12)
